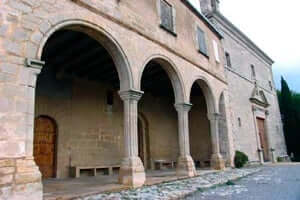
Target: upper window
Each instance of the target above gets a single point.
(271, 85)
(216, 50)
(253, 74)
(196, 4)
(201, 42)
(228, 60)
(166, 15)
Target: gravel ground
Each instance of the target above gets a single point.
(176, 189)
(281, 182)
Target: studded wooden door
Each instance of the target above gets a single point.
(263, 139)
(44, 146)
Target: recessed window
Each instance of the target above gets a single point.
(271, 85)
(216, 50)
(166, 16)
(228, 60)
(109, 98)
(202, 47)
(253, 74)
(240, 122)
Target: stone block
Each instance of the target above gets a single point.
(7, 78)
(6, 105)
(36, 37)
(10, 149)
(3, 30)
(6, 170)
(20, 34)
(12, 47)
(6, 179)
(45, 26)
(20, 6)
(23, 178)
(31, 50)
(7, 163)
(9, 68)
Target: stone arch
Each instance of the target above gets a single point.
(104, 38)
(207, 92)
(173, 74)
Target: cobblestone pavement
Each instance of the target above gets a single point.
(175, 189)
(271, 183)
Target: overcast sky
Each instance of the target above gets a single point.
(274, 26)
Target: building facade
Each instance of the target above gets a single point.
(255, 114)
(124, 85)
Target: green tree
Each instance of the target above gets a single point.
(289, 103)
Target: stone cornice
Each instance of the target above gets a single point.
(240, 35)
(33, 63)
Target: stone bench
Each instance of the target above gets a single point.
(161, 163)
(76, 169)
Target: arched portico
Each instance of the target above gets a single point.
(163, 84)
(131, 171)
(208, 112)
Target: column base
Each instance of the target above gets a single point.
(132, 172)
(185, 167)
(217, 162)
(26, 183)
(261, 157)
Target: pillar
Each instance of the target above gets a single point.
(132, 173)
(20, 177)
(216, 161)
(185, 163)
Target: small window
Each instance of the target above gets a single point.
(109, 98)
(271, 85)
(228, 61)
(240, 122)
(216, 50)
(201, 42)
(166, 15)
(253, 74)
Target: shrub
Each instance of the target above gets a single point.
(240, 159)
(279, 159)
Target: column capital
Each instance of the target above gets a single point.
(183, 106)
(213, 116)
(35, 65)
(131, 94)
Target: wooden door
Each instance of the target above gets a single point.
(263, 138)
(44, 146)
(141, 141)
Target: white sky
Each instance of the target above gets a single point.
(274, 25)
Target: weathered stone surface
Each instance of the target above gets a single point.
(6, 179)
(7, 163)
(13, 47)
(6, 170)
(23, 178)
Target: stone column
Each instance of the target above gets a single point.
(216, 161)
(132, 171)
(185, 163)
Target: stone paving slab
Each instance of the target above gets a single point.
(176, 189)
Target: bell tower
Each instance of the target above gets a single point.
(209, 6)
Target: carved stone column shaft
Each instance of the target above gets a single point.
(185, 163)
(217, 161)
(132, 171)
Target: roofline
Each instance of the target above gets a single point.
(203, 18)
(238, 33)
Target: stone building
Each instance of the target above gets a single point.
(126, 86)
(254, 111)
